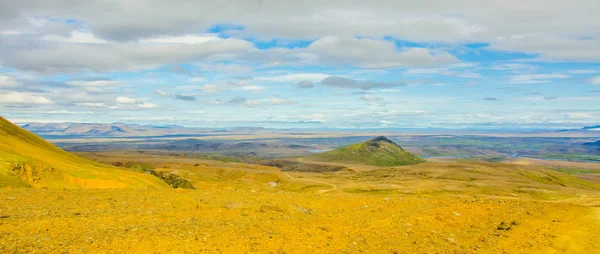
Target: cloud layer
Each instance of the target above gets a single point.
(332, 63)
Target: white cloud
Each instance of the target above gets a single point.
(342, 82)
(9, 32)
(295, 77)
(368, 97)
(464, 70)
(211, 88)
(238, 100)
(75, 37)
(280, 101)
(515, 67)
(536, 78)
(146, 105)
(102, 83)
(189, 87)
(162, 93)
(184, 39)
(131, 103)
(16, 98)
(594, 81)
(92, 104)
(371, 53)
(252, 103)
(583, 71)
(115, 56)
(197, 79)
(8, 82)
(570, 35)
(232, 85)
(361, 41)
(552, 47)
(251, 88)
(95, 89)
(215, 88)
(225, 68)
(125, 100)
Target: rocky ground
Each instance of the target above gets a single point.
(261, 221)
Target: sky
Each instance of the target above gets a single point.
(302, 64)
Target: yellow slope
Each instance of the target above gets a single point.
(28, 160)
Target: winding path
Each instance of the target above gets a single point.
(333, 186)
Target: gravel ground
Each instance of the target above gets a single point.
(248, 221)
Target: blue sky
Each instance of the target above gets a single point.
(314, 64)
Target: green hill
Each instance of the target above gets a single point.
(379, 151)
(28, 160)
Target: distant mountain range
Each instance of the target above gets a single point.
(50, 130)
(597, 143)
(592, 128)
(584, 129)
(124, 130)
(98, 129)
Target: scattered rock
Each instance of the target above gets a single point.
(304, 210)
(272, 208)
(457, 214)
(11, 198)
(506, 226)
(326, 229)
(233, 205)
(272, 184)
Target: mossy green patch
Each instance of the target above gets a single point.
(378, 152)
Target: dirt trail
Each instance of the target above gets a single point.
(333, 186)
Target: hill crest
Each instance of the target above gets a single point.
(28, 160)
(379, 151)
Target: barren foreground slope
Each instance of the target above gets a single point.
(241, 221)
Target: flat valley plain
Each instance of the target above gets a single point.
(241, 205)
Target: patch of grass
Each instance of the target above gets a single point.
(174, 180)
(575, 171)
(286, 165)
(378, 152)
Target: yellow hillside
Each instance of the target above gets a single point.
(28, 160)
